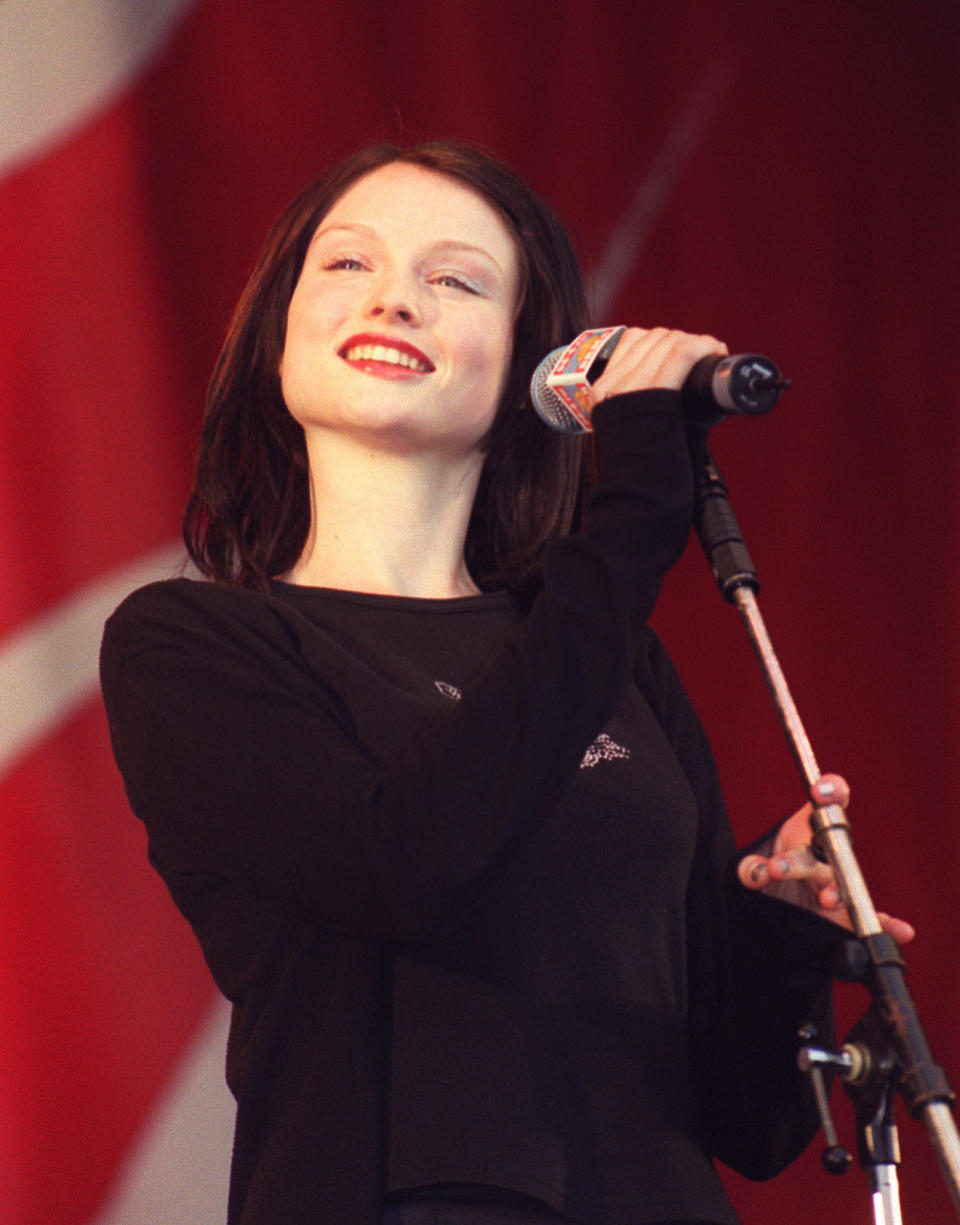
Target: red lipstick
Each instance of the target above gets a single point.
(385, 356)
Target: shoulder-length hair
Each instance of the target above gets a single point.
(248, 515)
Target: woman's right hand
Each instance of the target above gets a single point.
(653, 357)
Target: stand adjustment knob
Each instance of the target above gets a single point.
(812, 1060)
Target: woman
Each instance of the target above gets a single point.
(425, 786)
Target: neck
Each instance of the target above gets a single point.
(387, 523)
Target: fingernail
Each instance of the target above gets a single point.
(826, 789)
(785, 866)
(758, 873)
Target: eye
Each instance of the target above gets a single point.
(450, 280)
(345, 263)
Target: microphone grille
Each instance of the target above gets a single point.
(550, 408)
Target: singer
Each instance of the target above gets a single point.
(413, 767)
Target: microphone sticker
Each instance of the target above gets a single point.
(569, 375)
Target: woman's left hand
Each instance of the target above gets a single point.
(792, 859)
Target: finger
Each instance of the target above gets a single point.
(752, 872)
(756, 871)
(829, 897)
(831, 789)
(653, 357)
(902, 931)
(800, 863)
(674, 354)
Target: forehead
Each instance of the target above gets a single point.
(402, 200)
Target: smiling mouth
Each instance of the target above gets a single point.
(386, 355)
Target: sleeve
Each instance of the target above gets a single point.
(243, 763)
(759, 969)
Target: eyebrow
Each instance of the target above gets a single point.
(442, 244)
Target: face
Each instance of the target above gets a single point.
(400, 327)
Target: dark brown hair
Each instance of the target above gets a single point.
(248, 515)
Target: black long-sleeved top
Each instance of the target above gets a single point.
(465, 874)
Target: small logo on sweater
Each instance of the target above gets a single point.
(604, 748)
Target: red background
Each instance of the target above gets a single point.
(815, 221)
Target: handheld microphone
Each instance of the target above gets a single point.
(715, 388)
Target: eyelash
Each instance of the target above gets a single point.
(456, 281)
(339, 264)
(348, 263)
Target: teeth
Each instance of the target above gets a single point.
(380, 353)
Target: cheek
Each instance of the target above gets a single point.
(297, 361)
(486, 350)
(314, 313)
(504, 359)
(309, 322)
(291, 336)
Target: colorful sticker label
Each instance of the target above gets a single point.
(568, 378)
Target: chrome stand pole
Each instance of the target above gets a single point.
(921, 1082)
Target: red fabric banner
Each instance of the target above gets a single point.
(783, 176)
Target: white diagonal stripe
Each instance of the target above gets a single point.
(63, 59)
(49, 666)
(655, 189)
(177, 1171)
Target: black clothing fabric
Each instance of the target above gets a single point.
(425, 1213)
(464, 871)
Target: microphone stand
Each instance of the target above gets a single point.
(887, 1050)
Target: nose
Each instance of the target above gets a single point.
(394, 298)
